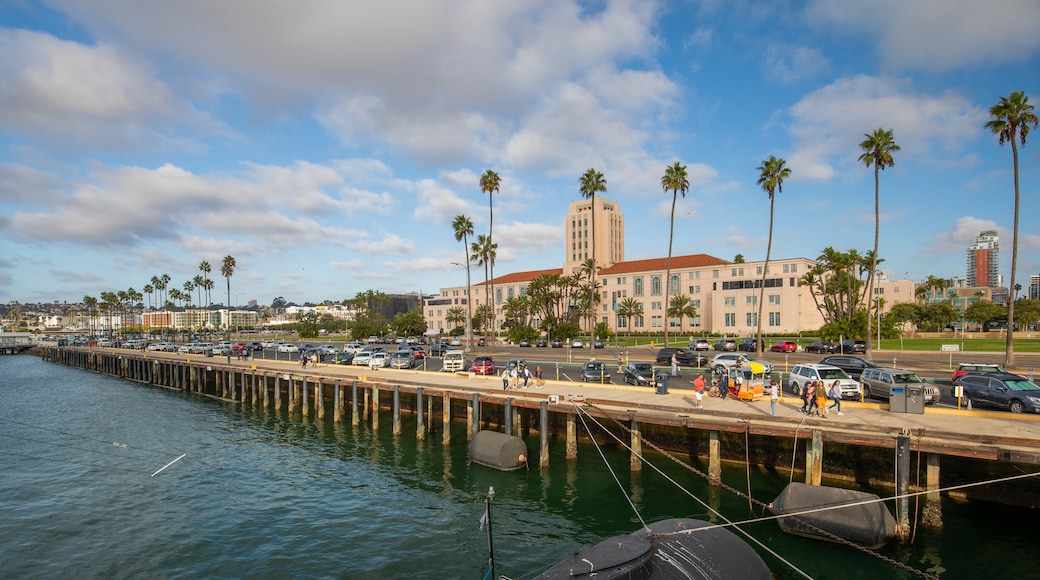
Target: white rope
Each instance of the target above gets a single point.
(697, 499)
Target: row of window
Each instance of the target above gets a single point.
(751, 319)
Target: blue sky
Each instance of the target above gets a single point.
(327, 145)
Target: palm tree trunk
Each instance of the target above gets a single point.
(765, 272)
(592, 274)
(1009, 348)
(668, 269)
(469, 298)
(873, 263)
(491, 265)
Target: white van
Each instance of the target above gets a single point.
(454, 360)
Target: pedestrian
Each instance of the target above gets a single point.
(505, 379)
(538, 376)
(835, 394)
(527, 375)
(698, 390)
(314, 359)
(675, 365)
(803, 391)
(810, 397)
(738, 380)
(724, 383)
(774, 395)
(303, 360)
(821, 399)
(514, 376)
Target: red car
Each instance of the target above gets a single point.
(784, 346)
(483, 365)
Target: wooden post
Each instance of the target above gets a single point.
(814, 458)
(304, 399)
(420, 423)
(337, 401)
(931, 515)
(319, 399)
(375, 407)
(714, 458)
(473, 417)
(902, 487)
(446, 421)
(636, 459)
(396, 425)
(507, 419)
(429, 414)
(572, 436)
(354, 418)
(278, 393)
(543, 434)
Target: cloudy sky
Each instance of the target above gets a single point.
(328, 144)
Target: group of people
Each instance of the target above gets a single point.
(312, 358)
(511, 377)
(814, 398)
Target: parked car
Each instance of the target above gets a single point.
(256, 346)
(524, 343)
(483, 365)
(853, 365)
(576, 343)
(700, 344)
(454, 360)
(725, 344)
(344, 358)
(516, 363)
(734, 359)
(853, 346)
(597, 343)
(965, 368)
(784, 346)
(379, 360)
(286, 347)
(362, 357)
(639, 374)
(240, 349)
(482, 341)
(456, 341)
(417, 351)
(1002, 390)
(803, 373)
(748, 345)
(327, 349)
(557, 343)
(879, 381)
(595, 371)
(684, 357)
(402, 359)
(821, 347)
(540, 343)
(436, 349)
(353, 347)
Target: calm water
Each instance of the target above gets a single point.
(260, 496)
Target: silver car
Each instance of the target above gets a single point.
(878, 382)
(402, 359)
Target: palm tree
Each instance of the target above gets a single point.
(877, 151)
(489, 184)
(681, 307)
(200, 284)
(483, 252)
(149, 290)
(463, 227)
(628, 308)
(1010, 121)
(675, 180)
(91, 304)
(455, 316)
(227, 270)
(591, 182)
(189, 287)
(771, 176)
(205, 268)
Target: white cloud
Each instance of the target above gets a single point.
(827, 125)
(937, 34)
(788, 64)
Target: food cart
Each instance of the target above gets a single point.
(753, 381)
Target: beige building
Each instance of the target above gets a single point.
(610, 234)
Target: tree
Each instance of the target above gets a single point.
(835, 286)
(905, 312)
(483, 252)
(675, 180)
(681, 307)
(771, 176)
(227, 270)
(738, 259)
(489, 184)
(877, 151)
(409, 323)
(629, 308)
(207, 285)
(456, 316)
(591, 182)
(463, 228)
(1027, 311)
(1009, 121)
(984, 312)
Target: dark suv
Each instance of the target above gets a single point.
(1002, 390)
(853, 346)
(853, 365)
(684, 357)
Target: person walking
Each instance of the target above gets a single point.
(821, 399)
(774, 395)
(505, 379)
(303, 360)
(526, 374)
(675, 365)
(724, 383)
(698, 390)
(835, 394)
(810, 397)
(538, 376)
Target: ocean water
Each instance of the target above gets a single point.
(262, 495)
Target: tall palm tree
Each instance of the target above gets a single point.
(681, 307)
(227, 270)
(591, 182)
(463, 227)
(877, 150)
(91, 304)
(189, 287)
(205, 268)
(150, 291)
(676, 181)
(771, 176)
(627, 309)
(489, 184)
(1010, 121)
(455, 315)
(483, 252)
(200, 284)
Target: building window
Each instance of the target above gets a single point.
(696, 321)
(674, 288)
(498, 295)
(774, 299)
(794, 268)
(731, 319)
(730, 301)
(751, 300)
(637, 286)
(655, 322)
(510, 292)
(714, 273)
(696, 304)
(655, 306)
(774, 319)
(637, 322)
(655, 285)
(752, 319)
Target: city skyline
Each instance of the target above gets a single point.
(329, 147)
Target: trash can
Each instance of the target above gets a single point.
(662, 384)
(914, 399)
(897, 400)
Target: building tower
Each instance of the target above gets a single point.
(610, 234)
(1034, 287)
(984, 261)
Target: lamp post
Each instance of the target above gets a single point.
(469, 308)
(877, 282)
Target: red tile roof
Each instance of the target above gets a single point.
(523, 276)
(678, 262)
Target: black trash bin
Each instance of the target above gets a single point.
(662, 384)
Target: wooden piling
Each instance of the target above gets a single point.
(396, 425)
(572, 436)
(902, 487)
(814, 459)
(446, 420)
(543, 434)
(337, 401)
(636, 443)
(931, 515)
(714, 458)
(420, 423)
(507, 416)
(354, 418)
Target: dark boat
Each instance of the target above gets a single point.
(658, 552)
(867, 524)
(498, 450)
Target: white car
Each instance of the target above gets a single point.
(290, 348)
(803, 373)
(327, 349)
(730, 359)
(379, 360)
(576, 343)
(362, 357)
(354, 347)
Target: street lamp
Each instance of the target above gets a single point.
(877, 283)
(469, 307)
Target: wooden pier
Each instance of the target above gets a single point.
(879, 448)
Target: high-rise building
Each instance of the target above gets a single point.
(1034, 287)
(610, 234)
(984, 261)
